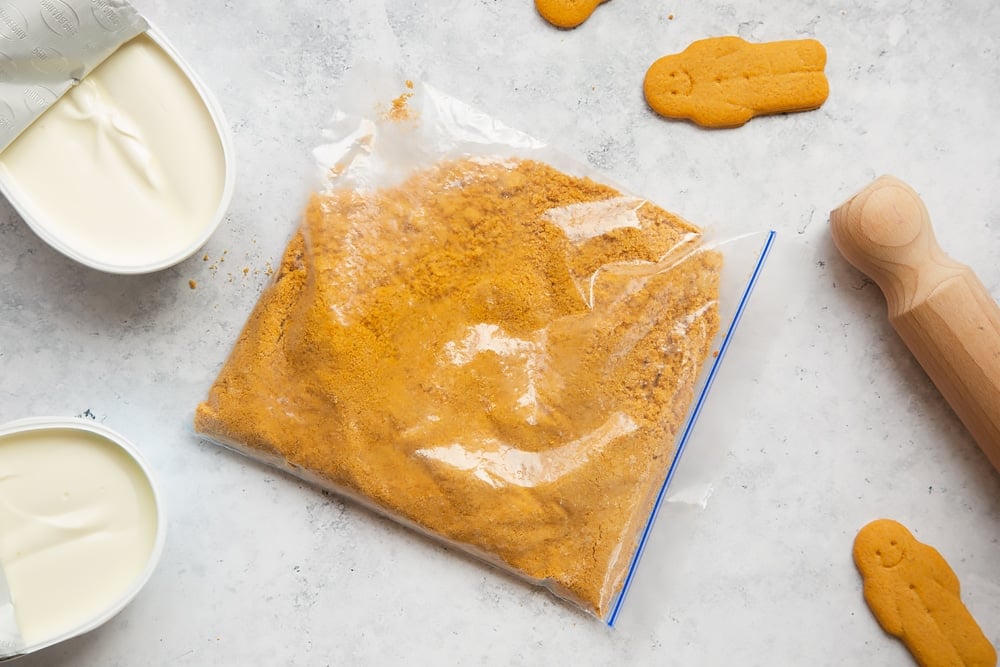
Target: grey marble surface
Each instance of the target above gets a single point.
(820, 421)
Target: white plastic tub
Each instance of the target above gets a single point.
(131, 171)
(83, 526)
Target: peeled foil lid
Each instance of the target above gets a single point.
(49, 46)
(11, 643)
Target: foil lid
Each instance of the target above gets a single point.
(11, 643)
(49, 46)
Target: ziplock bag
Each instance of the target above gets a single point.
(476, 337)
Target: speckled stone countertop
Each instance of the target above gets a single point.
(819, 421)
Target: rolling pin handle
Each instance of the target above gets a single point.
(885, 231)
(941, 310)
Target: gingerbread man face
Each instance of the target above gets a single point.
(676, 83)
(886, 549)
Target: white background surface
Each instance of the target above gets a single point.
(821, 420)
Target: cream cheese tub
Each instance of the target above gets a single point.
(130, 170)
(81, 529)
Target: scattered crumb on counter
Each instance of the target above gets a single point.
(253, 266)
(193, 284)
(399, 108)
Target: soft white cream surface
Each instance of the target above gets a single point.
(126, 169)
(78, 525)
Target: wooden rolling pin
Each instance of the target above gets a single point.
(938, 306)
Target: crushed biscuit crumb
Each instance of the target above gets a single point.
(512, 383)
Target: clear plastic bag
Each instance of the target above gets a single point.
(474, 337)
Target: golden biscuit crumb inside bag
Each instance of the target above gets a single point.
(486, 348)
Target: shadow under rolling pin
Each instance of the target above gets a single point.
(938, 306)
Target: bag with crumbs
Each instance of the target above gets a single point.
(483, 341)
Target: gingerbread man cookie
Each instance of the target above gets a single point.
(566, 13)
(726, 81)
(914, 595)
